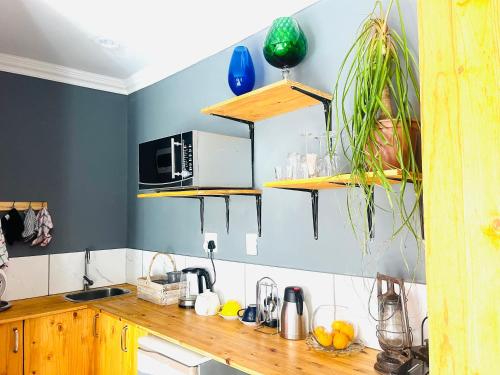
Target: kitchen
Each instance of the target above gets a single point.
(281, 275)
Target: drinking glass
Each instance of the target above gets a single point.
(292, 165)
(278, 173)
(327, 165)
(302, 168)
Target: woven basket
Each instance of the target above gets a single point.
(161, 294)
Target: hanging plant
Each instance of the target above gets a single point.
(372, 107)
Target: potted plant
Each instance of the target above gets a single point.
(373, 110)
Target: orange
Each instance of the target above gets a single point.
(337, 324)
(348, 330)
(323, 337)
(340, 341)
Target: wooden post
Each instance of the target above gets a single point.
(460, 81)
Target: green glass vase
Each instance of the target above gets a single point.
(285, 45)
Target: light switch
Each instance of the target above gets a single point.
(251, 243)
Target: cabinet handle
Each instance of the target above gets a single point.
(16, 340)
(123, 342)
(95, 325)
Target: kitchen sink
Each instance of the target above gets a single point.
(91, 295)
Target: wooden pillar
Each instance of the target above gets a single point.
(460, 96)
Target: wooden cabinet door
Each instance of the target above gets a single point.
(133, 345)
(61, 344)
(109, 357)
(11, 348)
(116, 347)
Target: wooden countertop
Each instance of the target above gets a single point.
(39, 306)
(229, 342)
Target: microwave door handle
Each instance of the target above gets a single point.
(172, 148)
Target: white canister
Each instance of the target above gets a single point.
(207, 303)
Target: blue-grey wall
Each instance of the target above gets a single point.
(173, 106)
(66, 145)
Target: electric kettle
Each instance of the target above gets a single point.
(192, 286)
(294, 316)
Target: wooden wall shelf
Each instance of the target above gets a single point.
(213, 193)
(313, 185)
(22, 206)
(269, 101)
(334, 182)
(200, 193)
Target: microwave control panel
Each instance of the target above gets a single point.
(187, 155)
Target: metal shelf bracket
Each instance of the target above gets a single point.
(258, 202)
(327, 103)
(370, 211)
(421, 212)
(202, 214)
(314, 205)
(226, 200)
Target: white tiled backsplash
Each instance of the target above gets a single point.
(238, 281)
(59, 273)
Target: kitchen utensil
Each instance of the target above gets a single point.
(192, 286)
(294, 316)
(249, 314)
(268, 305)
(207, 303)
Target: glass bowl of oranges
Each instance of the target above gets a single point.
(332, 330)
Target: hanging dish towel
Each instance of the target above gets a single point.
(13, 226)
(29, 232)
(43, 227)
(4, 255)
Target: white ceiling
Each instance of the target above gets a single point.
(57, 39)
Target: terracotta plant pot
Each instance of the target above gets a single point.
(387, 148)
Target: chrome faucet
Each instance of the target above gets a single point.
(87, 283)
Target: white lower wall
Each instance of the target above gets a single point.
(27, 277)
(42, 275)
(107, 267)
(238, 281)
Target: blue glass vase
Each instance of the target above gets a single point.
(241, 75)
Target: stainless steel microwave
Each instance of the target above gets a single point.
(195, 159)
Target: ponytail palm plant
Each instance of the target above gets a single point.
(372, 107)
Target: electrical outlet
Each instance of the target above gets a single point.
(210, 237)
(251, 243)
